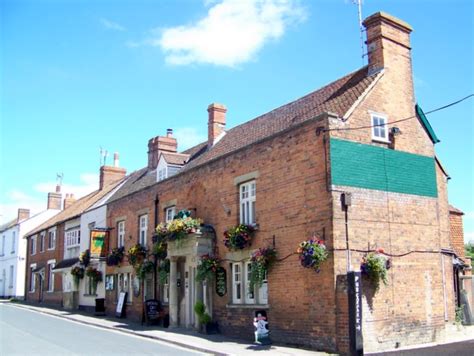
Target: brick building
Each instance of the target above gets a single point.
(285, 172)
(54, 247)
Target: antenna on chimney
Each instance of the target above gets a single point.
(103, 156)
(361, 27)
(59, 178)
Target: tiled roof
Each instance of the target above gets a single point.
(176, 158)
(76, 208)
(336, 97)
(8, 225)
(455, 210)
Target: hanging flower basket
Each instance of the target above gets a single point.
(145, 268)
(136, 255)
(78, 273)
(85, 258)
(261, 261)
(115, 256)
(94, 274)
(207, 268)
(312, 253)
(375, 266)
(239, 237)
(177, 229)
(163, 271)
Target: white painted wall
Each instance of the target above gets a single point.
(18, 258)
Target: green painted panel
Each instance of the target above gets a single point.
(372, 167)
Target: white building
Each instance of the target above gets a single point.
(13, 247)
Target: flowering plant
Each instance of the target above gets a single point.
(94, 274)
(85, 257)
(375, 266)
(144, 269)
(178, 228)
(164, 270)
(206, 268)
(136, 254)
(78, 273)
(312, 253)
(238, 237)
(115, 256)
(261, 260)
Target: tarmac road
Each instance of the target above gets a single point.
(23, 332)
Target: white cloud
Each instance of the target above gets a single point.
(110, 25)
(232, 32)
(37, 200)
(188, 137)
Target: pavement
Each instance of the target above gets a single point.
(224, 345)
(208, 344)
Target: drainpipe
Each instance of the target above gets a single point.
(155, 284)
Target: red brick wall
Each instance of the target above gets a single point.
(457, 233)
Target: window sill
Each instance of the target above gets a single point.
(381, 140)
(90, 295)
(51, 249)
(247, 306)
(50, 291)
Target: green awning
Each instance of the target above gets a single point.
(425, 123)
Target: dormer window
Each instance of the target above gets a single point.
(170, 164)
(379, 127)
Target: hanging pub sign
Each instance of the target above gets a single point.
(99, 243)
(221, 282)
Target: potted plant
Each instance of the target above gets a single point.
(136, 254)
(375, 266)
(207, 268)
(312, 253)
(261, 260)
(78, 273)
(95, 275)
(207, 326)
(238, 237)
(115, 256)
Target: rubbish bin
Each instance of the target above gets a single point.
(100, 306)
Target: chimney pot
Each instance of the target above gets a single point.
(216, 123)
(169, 133)
(58, 188)
(116, 159)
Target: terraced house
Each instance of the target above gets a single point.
(350, 167)
(351, 164)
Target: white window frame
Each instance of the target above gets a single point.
(247, 202)
(124, 284)
(41, 241)
(33, 245)
(11, 275)
(72, 238)
(51, 265)
(262, 291)
(237, 283)
(162, 173)
(32, 278)
(143, 228)
(166, 289)
(3, 245)
(13, 242)
(249, 295)
(379, 125)
(121, 233)
(170, 212)
(51, 237)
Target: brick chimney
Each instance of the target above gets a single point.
(69, 200)
(160, 144)
(388, 42)
(216, 123)
(111, 174)
(23, 214)
(54, 199)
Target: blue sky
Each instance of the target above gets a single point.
(80, 75)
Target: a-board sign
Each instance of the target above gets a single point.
(119, 312)
(221, 282)
(152, 310)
